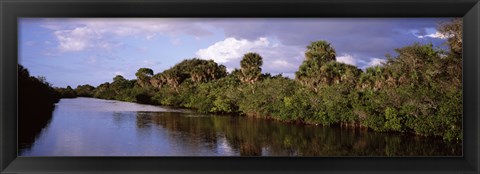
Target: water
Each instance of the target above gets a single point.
(94, 127)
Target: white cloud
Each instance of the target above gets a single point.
(435, 35)
(75, 40)
(81, 34)
(289, 75)
(282, 64)
(231, 49)
(277, 58)
(348, 59)
(375, 62)
(230, 69)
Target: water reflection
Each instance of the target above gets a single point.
(254, 137)
(132, 130)
(32, 122)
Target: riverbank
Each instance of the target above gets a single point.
(352, 126)
(36, 102)
(286, 100)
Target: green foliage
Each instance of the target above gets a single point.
(336, 106)
(320, 51)
(166, 97)
(35, 90)
(223, 104)
(104, 91)
(84, 90)
(320, 68)
(67, 92)
(143, 76)
(393, 121)
(264, 99)
(251, 70)
(194, 70)
(142, 96)
(299, 106)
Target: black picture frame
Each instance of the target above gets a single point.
(10, 10)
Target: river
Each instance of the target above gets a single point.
(95, 127)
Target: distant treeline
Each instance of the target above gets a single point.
(419, 90)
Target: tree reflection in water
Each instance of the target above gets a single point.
(255, 137)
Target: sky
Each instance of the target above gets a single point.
(77, 51)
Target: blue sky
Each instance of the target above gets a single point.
(77, 51)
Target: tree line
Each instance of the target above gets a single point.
(418, 90)
(36, 99)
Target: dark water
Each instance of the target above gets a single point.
(94, 127)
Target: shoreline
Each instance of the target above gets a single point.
(341, 125)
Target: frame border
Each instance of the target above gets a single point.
(11, 10)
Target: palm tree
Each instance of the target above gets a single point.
(316, 69)
(250, 68)
(320, 51)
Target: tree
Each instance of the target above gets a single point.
(118, 78)
(194, 70)
(119, 84)
(104, 91)
(173, 78)
(320, 68)
(23, 72)
(418, 90)
(36, 100)
(318, 54)
(320, 51)
(143, 76)
(84, 90)
(453, 61)
(251, 68)
(67, 92)
(453, 30)
(158, 80)
(198, 74)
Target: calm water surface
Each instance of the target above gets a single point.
(95, 127)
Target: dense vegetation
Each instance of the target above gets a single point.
(418, 90)
(36, 98)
